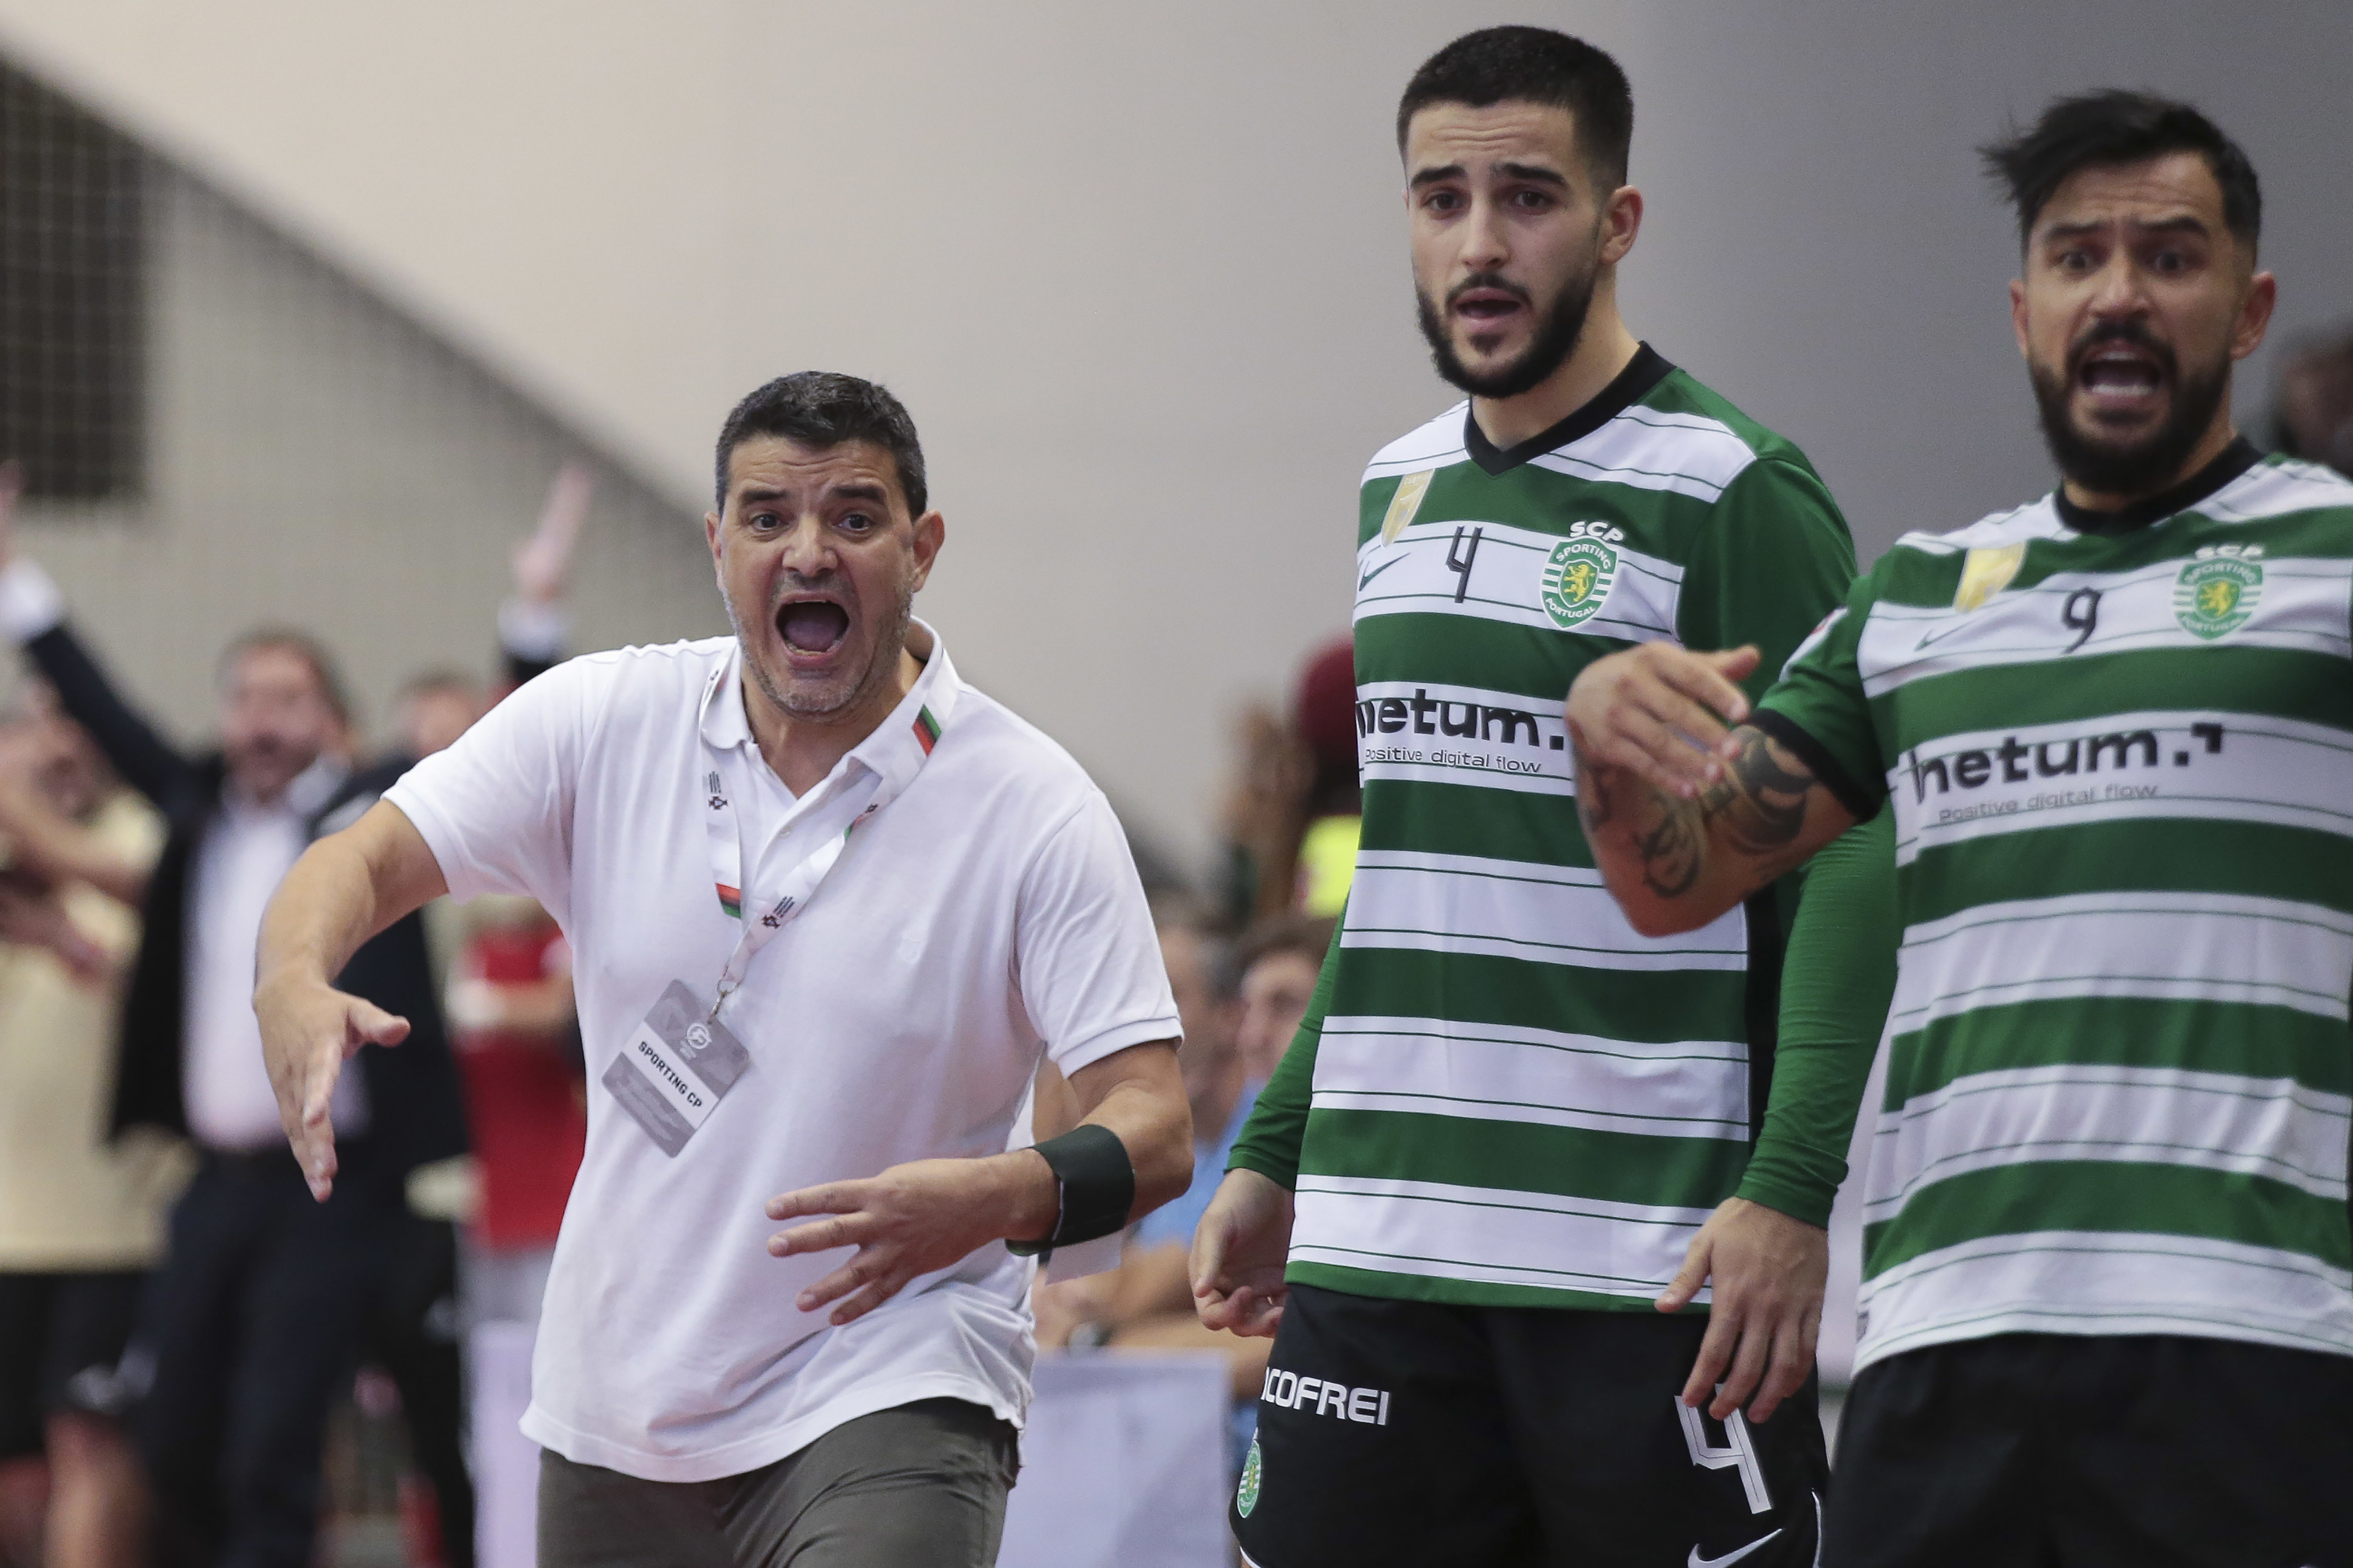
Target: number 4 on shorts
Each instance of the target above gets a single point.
(1739, 1452)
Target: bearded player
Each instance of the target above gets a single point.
(2106, 1311)
(1515, 1138)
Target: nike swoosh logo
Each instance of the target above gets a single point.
(1699, 1561)
(1940, 634)
(1377, 571)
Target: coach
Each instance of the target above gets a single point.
(831, 907)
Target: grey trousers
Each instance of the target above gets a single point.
(921, 1486)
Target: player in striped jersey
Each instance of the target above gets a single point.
(2107, 1309)
(1508, 1117)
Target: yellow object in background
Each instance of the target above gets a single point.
(1327, 860)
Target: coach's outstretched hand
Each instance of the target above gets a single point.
(307, 1032)
(1239, 1253)
(1767, 1309)
(346, 887)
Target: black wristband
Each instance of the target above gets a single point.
(1095, 1181)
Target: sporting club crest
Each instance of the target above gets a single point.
(1577, 579)
(2215, 595)
(1246, 1495)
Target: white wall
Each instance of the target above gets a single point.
(1824, 243)
(1138, 273)
(314, 458)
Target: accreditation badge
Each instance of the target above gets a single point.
(677, 1066)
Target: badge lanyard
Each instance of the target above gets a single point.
(890, 762)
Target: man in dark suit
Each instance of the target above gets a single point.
(253, 1321)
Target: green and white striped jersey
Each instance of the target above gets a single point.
(1508, 1096)
(2121, 768)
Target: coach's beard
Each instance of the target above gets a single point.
(2130, 466)
(1555, 341)
(830, 700)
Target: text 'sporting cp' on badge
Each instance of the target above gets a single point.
(677, 1066)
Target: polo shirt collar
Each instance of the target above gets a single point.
(725, 725)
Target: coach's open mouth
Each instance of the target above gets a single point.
(812, 626)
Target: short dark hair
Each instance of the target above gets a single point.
(1532, 64)
(825, 408)
(2116, 126)
(303, 645)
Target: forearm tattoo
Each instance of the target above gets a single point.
(1663, 829)
(1758, 809)
(1760, 801)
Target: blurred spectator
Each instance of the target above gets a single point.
(1275, 965)
(511, 1016)
(1324, 713)
(435, 709)
(1147, 1304)
(415, 1332)
(1263, 816)
(2315, 406)
(1281, 963)
(1291, 815)
(1202, 973)
(81, 1222)
(505, 969)
(1201, 980)
(250, 1324)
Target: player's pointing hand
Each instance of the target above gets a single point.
(1662, 712)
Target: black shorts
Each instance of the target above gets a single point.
(61, 1339)
(1412, 1433)
(2077, 1451)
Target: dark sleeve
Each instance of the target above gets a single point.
(1821, 709)
(1270, 1139)
(145, 760)
(523, 667)
(1773, 558)
(531, 641)
(1836, 984)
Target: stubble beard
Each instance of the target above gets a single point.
(846, 693)
(1555, 338)
(2142, 465)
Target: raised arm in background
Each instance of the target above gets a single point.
(1688, 808)
(532, 626)
(33, 613)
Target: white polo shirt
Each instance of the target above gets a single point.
(988, 915)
